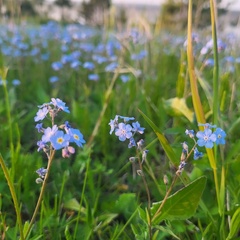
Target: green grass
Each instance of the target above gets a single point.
(93, 195)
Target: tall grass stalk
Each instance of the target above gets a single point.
(105, 105)
(82, 196)
(221, 197)
(14, 196)
(196, 98)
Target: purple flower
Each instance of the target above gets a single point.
(206, 138)
(123, 131)
(220, 136)
(41, 114)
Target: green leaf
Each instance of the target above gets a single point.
(67, 233)
(73, 204)
(164, 142)
(235, 224)
(182, 204)
(178, 107)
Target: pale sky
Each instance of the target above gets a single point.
(152, 2)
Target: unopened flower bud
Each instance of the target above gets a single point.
(140, 172)
(39, 180)
(144, 155)
(132, 159)
(140, 144)
(165, 179)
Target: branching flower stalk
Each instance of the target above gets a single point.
(126, 131)
(206, 138)
(52, 140)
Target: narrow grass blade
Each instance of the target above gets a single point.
(164, 142)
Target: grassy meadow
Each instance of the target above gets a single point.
(169, 83)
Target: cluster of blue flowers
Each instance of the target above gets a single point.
(53, 137)
(125, 130)
(206, 138)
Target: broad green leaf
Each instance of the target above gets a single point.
(178, 107)
(126, 204)
(164, 142)
(182, 204)
(235, 224)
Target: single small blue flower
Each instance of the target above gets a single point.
(220, 136)
(126, 119)
(48, 133)
(41, 172)
(76, 136)
(124, 131)
(113, 124)
(16, 82)
(209, 62)
(124, 78)
(39, 127)
(41, 145)
(206, 138)
(137, 128)
(89, 65)
(57, 66)
(53, 79)
(75, 64)
(190, 133)
(60, 104)
(41, 114)
(197, 154)
(59, 140)
(132, 143)
(93, 77)
(207, 125)
(111, 67)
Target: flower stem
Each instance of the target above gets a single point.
(50, 159)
